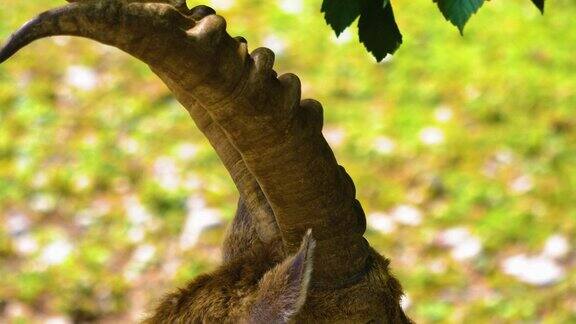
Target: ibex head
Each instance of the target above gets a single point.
(271, 143)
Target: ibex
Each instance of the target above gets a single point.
(295, 251)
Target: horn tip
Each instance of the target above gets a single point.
(6, 52)
(18, 40)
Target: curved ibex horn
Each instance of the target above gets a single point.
(125, 26)
(278, 137)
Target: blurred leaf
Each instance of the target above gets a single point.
(378, 30)
(30, 285)
(435, 311)
(459, 11)
(339, 14)
(539, 4)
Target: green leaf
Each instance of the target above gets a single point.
(459, 11)
(377, 28)
(539, 4)
(339, 14)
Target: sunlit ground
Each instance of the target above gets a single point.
(463, 151)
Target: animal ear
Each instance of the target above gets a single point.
(282, 290)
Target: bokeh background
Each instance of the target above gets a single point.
(463, 150)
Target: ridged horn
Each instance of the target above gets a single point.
(277, 136)
(125, 24)
(254, 199)
(133, 26)
(280, 140)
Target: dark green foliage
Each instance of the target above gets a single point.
(377, 27)
(378, 30)
(459, 11)
(340, 14)
(539, 4)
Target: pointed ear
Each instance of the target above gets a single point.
(282, 290)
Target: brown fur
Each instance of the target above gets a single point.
(253, 287)
(228, 294)
(375, 298)
(250, 287)
(223, 296)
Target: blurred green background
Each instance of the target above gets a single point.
(463, 150)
